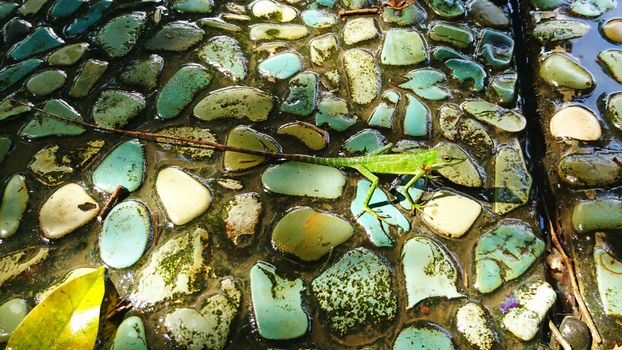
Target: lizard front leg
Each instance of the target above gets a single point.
(374, 184)
(419, 174)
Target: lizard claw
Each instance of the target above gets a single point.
(380, 218)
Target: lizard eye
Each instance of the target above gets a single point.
(446, 158)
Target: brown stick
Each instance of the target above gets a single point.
(369, 11)
(559, 337)
(119, 194)
(156, 228)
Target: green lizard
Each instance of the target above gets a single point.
(419, 163)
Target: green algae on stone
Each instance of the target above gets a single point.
(463, 70)
(465, 173)
(65, 8)
(88, 76)
(14, 263)
(591, 8)
(609, 280)
(115, 108)
(180, 90)
(429, 271)
(559, 30)
(83, 22)
(366, 140)
(423, 336)
(124, 234)
(502, 88)
(235, 102)
(273, 11)
(613, 111)
(68, 55)
(597, 215)
(303, 93)
(384, 113)
(193, 6)
(313, 137)
(450, 214)
(535, 298)
(119, 36)
(143, 73)
(334, 111)
(612, 60)
(5, 147)
(359, 29)
(356, 292)
(12, 312)
(412, 14)
(486, 14)
(449, 119)
(49, 167)
(14, 201)
(316, 18)
(504, 254)
(304, 179)
(176, 36)
(427, 83)
(281, 66)
(499, 117)
(224, 54)
(473, 323)
(188, 132)
(512, 179)
(46, 82)
(43, 125)
(9, 108)
(363, 75)
(39, 41)
(245, 137)
(10, 75)
(310, 234)
(265, 31)
(559, 70)
(277, 302)
(417, 117)
(322, 48)
(447, 8)
(130, 335)
(124, 166)
(497, 48)
(594, 169)
(452, 34)
(403, 47)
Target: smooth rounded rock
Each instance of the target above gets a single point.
(363, 75)
(225, 54)
(235, 102)
(597, 215)
(427, 336)
(68, 55)
(68, 209)
(359, 29)
(183, 197)
(612, 29)
(450, 214)
(597, 168)
(313, 137)
(46, 82)
(273, 11)
(559, 70)
(124, 234)
(115, 108)
(304, 179)
(612, 60)
(43, 125)
(180, 90)
(119, 36)
(265, 31)
(143, 73)
(576, 333)
(130, 335)
(176, 36)
(14, 202)
(281, 66)
(614, 109)
(577, 123)
(247, 138)
(558, 30)
(12, 312)
(124, 166)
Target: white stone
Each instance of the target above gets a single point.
(577, 123)
(68, 209)
(273, 11)
(183, 197)
(535, 300)
(473, 325)
(359, 29)
(450, 214)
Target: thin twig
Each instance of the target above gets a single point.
(122, 306)
(156, 228)
(368, 11)
(119, 194)
(559, 337)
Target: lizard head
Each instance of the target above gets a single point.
(440, 160)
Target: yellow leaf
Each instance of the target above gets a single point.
(68, 318)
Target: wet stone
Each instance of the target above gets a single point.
(5, 147)
(334, 111)
(612, 60)
(410, 15)
(304, 179)
(88, 76)
(65, 8)
(558, 30)
(512, 179)
(124, 234)
(499, 117)
(68, 55)
(31, 7)
(357, 4)
(612, 29)
(591, 8)
(319, 18)
(218, 23)
(609, 281)
(384, 113)
(448, 8)
(193, 6)
(180, 90)
(10, 75)
(176, 36)
(535, 299)
(560, 70)
(359, 29)
(595, 169)
(188, 132)
(487, 14)
(417, 117)
(363, 75)
(124, 166)
(46, 82)
(429, 271)
(427, 83)
(464, 70)
(6, 9)
(89, 18)
(504, 254)
(39, 41)
(548, 4)
(452, 34)
(465, 173)
(450, 214)
(242, 214)
(502, 88)
(183, 197)
(235, 102)
(403, 47)
(576, 333)
(323, 48)
(281, 66)
(116, 108)
(277, 301)
(613, 113)
(47, 166)
(261, 32)
(12, 312)
(120, 34)
(497, 48)
(273, 11)
(310, 234)
(9, 109)
(313, 137)
(130, 335)
(366, 140)
(444, 53)
(575, 122)
(14, 201)
(245, 137)
(143, 73)
(597, 215)
(14, 30)
(68, 209)
(302, 96)
(44, 125)
(425, 336)
(472, 322)
(13, 264)
(356, 292)
(224, 54)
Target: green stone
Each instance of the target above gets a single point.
(176, 36)
(124, 166)
(444, 53)
(487, 14)
(235, 102)
(31, 7)
(304, 179)
(13, 205)
(502, 88)
(547, 4)
(465, 173)
(181, 89)
(560, 70)
(323, 48)
(427, 336)
(9, 108)
(495, 47)
(12, 312)
(245, 137)
(363, 75)
(10, 75)
(14, 30)
(88, 76)
(614, 109)
(5, 147)
(115, 108)
(609, 280)
(334, 111)
(6, 9)
(94, 13)
(43, 125)
(559, 30)
(448, 8)
(417, 117)
(39, 41)
(124, 234)
(597, 215)
(403, 47)
(595, 169)
(366, 140)
(143, 73)
(65, 8)
(591, 8)
(224, 54)
(612, 59)
(281, 66)
(261, 32)
(120, 34)
(463, 70)
(408, 16)
(426, 83)
(303, 94)
(130, 335)
(193, 6)
(452, 34)
(384, 113)
(497, 116)
(68, 55)
(277, 302)
(46, 82)
(512, 179)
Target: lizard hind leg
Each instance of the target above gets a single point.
(410, 184)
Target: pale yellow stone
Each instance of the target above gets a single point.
(68, 209)
(613, 30)
(577, 123)
(450, 214)
(183, 197)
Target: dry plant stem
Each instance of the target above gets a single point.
(369, 11)
(119, 194)
(156, 228)
(558, 336)
(122, 306)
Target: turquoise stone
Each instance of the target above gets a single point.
(235, 102)
(143, 73)
(65, 8)
(303, 94)
(193, 6)
(6, 9)
(93, 14)
(44, 125)
(504, 254)
(444, 53)
(281, 66)
(41, 40)
(88, 76)
(384, 113)
(496, 47)
(176, 36)
(427, 336)
(130, 335)
(416, 191)
(14, 202)
(68, 55)
(592, 8)
(224, 53)
(609, 279)
(597, 215)
(9, 109)
(16, 72)
(502, 88)
(319, 18)
(417, 119)
(448, 8)
(304, 179)
(452, 34)
(334, 111)
(120, 34)
(277, 302)
(377, 231)
(179, 91)
(426, 83)
(46, 82)
(403, 47)
(366, 140)
(408, 16)
(115, 108)
(5, 147)
(124, 166)
(245, 137)
(463, 70)
(12, 312)
(124, 234)
(356, 292)
(512, 178)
